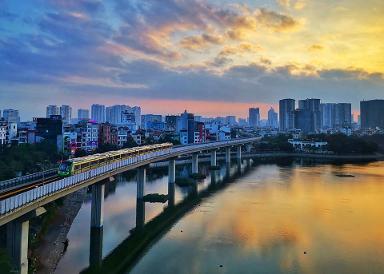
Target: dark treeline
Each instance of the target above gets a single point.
(27, 158)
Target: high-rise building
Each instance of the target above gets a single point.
(287, 114)
(328, 115)
(230, 120)
(312, 106)
(98, 113)
(11, 115)
(83, 114)
(372, 114)
(187, 121)
(137, 112)
(343, 115)
(52, 110)
(254, 117)
(148, 120)
(273, 119)
(304, 120)
(171, 122)
(66, 114)
(114, 113)
(336, 116)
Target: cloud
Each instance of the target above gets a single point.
(202, 41)
(296, 4)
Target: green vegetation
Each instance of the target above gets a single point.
(275, 143)
(5, 262)
(343, 144)
(27, 158)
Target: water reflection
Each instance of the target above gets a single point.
(288, 217)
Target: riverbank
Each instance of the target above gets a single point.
(52, 244)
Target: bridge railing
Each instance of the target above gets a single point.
(26, 179)
(14, 202)
(22, 199)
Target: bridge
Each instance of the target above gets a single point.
(23, 198)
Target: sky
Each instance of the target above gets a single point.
(212, 57)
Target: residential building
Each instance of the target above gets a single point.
(105, 134)
(343, 115)
(11, 115)
(52, 110)
(171, 122)
(114, 114)
(88, 132)
(199, 133)
(152, 121)
(50, 129)
(273, 121)
(328, 115)
(66, 114)
(83, 114)
(254, 117)
(98, 113)
(372, 114)
(287, 114)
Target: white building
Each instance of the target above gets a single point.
(52, 110)
(98, 113)
(304, 145)
(89, 136)
(83, 114)
(66, 114)
(3, 134)
(11, 115)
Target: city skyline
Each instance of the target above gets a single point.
(204, 56)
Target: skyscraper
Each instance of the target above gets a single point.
(83, 114)
(254, 117)
(328, 115)
(66, 114)
(286, 114)
(114, 113)
(98, 113)
(52, 110)
(343, 115)
(273, 118)
(11, 115)
(312, 106)
(372, 114)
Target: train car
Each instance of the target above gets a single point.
(82, 164)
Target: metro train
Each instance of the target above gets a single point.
(82, 164)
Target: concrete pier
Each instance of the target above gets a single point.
(195, 163)
(172, 171)
(238, 154)
(228, 155)
(213, 158)
(17, 244)
(97, 206)
(96, 247)
(171, 194)
(140, 213)
(141, 179)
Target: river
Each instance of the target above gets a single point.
(287, 217)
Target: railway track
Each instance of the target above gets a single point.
(6, 193)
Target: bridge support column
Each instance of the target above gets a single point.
(171, 194)
(97, 206)
(140, 213)
(96, 247)
(195, 163)
(141, 178)
(172, 171)
(228, 155)
(17, 244)
(239, 153)
(213, 158)
(248, 148)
